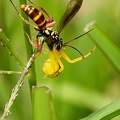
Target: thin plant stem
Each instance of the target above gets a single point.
(9, 72)
(16, 88)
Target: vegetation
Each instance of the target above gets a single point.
(87, 90)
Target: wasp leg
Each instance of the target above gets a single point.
(63, 54)
(37, 46)
(28, 23)
(31, 42)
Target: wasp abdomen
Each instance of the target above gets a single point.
(35, 15)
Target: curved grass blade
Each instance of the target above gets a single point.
(107, 113)
(26, 28)
(5, 43)
(107, 46)
(42, 104)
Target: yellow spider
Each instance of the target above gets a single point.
(54, 66)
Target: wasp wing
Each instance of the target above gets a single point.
(72, 8)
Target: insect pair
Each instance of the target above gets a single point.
(53, 66)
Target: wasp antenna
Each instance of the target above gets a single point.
(75, 49)
(14, 6)
(31, 2)
(79, 36)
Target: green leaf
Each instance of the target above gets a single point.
(112, 52)
(106, 113)
(107, 46)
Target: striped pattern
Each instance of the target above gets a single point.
(35, 15)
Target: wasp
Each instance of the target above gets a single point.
(53, 66)
(37, 16)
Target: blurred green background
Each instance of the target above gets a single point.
(82, 87)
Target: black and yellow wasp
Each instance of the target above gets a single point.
(52, 66)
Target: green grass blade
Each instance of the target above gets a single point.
(26, 28)
(106, 113)
(42, 104)
(106, 45)
(5, 42)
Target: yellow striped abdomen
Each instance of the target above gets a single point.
(35, 15)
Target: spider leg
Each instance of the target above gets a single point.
(64, 55)
(57, 56)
